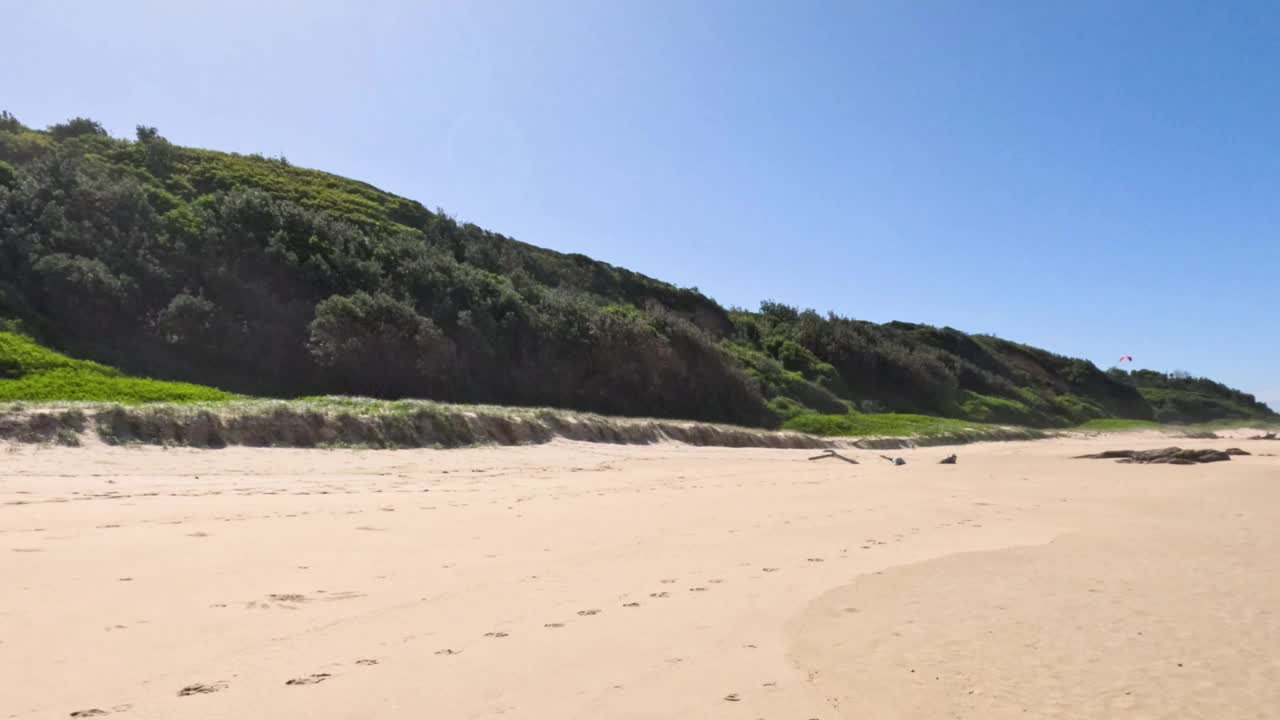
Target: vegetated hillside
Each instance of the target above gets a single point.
(252, 275)
(1181, 398)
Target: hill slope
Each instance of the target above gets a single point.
(247, 273)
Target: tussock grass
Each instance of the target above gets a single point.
(362, 422)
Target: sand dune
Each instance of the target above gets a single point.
(574, 580)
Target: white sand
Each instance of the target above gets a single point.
(1018, 583)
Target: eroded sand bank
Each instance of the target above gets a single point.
(595, 581)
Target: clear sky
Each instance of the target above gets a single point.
(1095, 177)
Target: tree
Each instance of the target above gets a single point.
(9, 123)
(84, 293)
(380, 344)
(187, 319)
(159, 152)
(76, 127)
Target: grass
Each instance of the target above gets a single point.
(883, 425)
(992, 409)
(30, 372)
(361, 422)
(1119, 424)
(20, 355)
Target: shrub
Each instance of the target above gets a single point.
(76, 127)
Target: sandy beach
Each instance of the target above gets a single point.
(574, 580)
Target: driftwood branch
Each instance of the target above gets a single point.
(833, 454)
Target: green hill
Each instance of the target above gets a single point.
(250, 274)
(1180, 398)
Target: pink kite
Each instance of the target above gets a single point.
(1126, 357)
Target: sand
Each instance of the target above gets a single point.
(594, 581)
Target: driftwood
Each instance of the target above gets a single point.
(1163, 456)
(833, 454)
(948, 460)
(895, 461)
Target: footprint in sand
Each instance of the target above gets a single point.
(588, 612)
(448, 651)
(667, 581)
(495, 634)
(717, 581)
(659, 594)
(631, 604)
(697, 589)
(202, 688)
(553, 625)
(311, 679)
(771, 569)
(287, 597)
(732, 697)
(91, 712)
(816, 560)
(366, 661)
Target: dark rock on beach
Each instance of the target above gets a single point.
(1166, 456)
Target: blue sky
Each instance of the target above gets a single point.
(1096, 178)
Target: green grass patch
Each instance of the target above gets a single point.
(20, 355)
(993, 409)
(882, 425)
(80, 385)
(1119, 424)
(30, 372)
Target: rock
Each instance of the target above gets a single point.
(1208, 456)
(1163, 456)
(948, 460)
(1236, 451)
(1109, 454)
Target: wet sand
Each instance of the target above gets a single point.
(579, 580)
